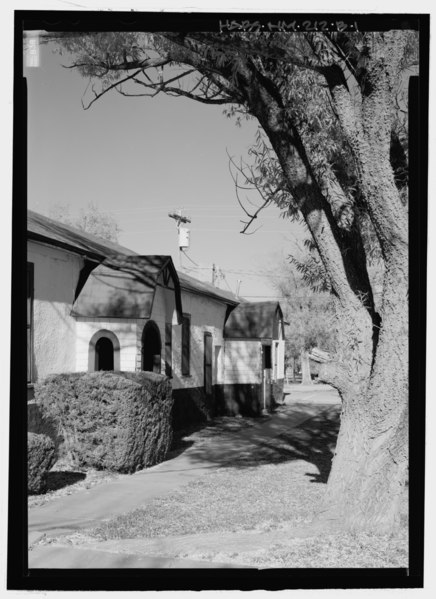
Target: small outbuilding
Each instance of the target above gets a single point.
(254, 357)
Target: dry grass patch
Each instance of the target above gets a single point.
(329, 551)
(231, 499)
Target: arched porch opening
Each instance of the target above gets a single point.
(151, 348)
(104, 351)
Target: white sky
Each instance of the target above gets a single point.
(140, 158)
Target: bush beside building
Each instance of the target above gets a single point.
(40, 458)
(116, 421)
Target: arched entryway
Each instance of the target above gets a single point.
(104, 351)
(104, 354)
(151, 348)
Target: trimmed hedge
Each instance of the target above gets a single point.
(40, 458)
(110, 420)
(39, 425)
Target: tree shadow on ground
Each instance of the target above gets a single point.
(177, 448)
(59, 480)
(313, 441)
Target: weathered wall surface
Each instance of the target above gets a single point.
(207, 315)
(242, 362)
(56, 273)
(124, 329)
(191, 405)
(128, 332)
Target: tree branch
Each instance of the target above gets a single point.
(107, 89)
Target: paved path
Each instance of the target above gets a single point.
(295, 393)
(89, 507)
(72, 557)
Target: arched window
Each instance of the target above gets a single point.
(151, 348)
(104, 351)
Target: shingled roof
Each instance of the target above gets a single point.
(44, 229)
(255, 320)
(188, 283)
(125, 286)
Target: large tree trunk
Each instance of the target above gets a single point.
(306, 378)
(370, 467)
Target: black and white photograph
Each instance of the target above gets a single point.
(225, 299)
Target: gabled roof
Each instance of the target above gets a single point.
(124, 287)
(254, 320)
(188, 283)
(47, 230)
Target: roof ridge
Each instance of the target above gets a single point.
(105, 243)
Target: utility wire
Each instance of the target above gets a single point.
(189, 258)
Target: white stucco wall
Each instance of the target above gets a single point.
(242, 361)
(128, 332)
(56, 273)
(207, 315)
(125, 331)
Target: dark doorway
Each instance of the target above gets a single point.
(267, 362)
(104, 354)
(266, 377)
(151, 348)
(208, 363)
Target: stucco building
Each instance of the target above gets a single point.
(95, 305)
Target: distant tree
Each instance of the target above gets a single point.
(91, 220)
(309, 312)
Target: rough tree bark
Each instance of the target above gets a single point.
(370, 467)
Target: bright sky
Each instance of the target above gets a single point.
(140, 158)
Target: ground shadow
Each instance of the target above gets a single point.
(313, 441)
(59, 480)
(178, 447)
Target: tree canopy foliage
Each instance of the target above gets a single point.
(90, 219)
(309, 313)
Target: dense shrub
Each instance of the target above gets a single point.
(110, 420)
(36, 423)
(40, 458)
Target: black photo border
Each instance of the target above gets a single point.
(19, 576)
